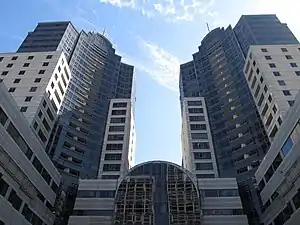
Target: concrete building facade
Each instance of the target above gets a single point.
(197, 147)
(38, 83)
(51, 36)
(278, 174)
(273, 76)
(119, 141)
(155, 193)
(29, 182)
(216, 73)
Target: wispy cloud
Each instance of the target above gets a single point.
(156, 62)
(171, 10)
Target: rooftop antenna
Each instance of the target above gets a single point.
(103, 33)
(207, 27)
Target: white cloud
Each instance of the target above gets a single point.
(171, 10)
(158, 63)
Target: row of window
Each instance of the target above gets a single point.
(204, 166)
(195, 110)
(92, 212)
(19, 140)
(286, 148)
(29, 57)
(111, 167)
(268, 57)
(96, 194)
(120, 105)
(16, 202)
(219, 193)
(194, 103)
(282, 49)
(207, 212)
(22, 72)
(200, 145)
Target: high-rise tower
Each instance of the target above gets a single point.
(216, 73)
(98, 76)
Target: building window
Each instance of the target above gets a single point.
(118, 120)
(3, 187)
(57, 96)
(198, 126)
(115, 137)
(26, 64)
(37, 80)
(46, 125)
(117, 156)
(3, 117)
(18, 139)
(14, 58)
(196, 118)
(297, 73)
(23, 109)
(59, 69)
(272, 65)
(286, 92)
(284, 50)
(274, 109)
(116, 147)
(28, 98)
(33, 89)
(194, 103)
(60, 88)
(119, 112)
(281, 82)
(1, 59)
(293, 64)
(296, 200)
(15, 200)
(40, 114)
(202, 155)
(116, 128)
(16, 81)
(264, 50)
(42, 136)
(268, 57)
(50, 115)
(195, 110)
(204, 166)
(265, 109)
(257, 71)
(11, 89)
(254, 63)
(22, 72)
(201, 176)
(10, 65)
(200, 145)
(291, 103)
(66, 72)
(199, 136)
(42, 71)
(30, 57)
(270, 98)
(111, 167)
(49, 57)
(279, 120)
(120, 105)
(4, 73)
(56, 77)
(269, 120)
(288, 145)
(45, 64)
(276, 74)
(261, 79)
(288, 57)
(265, 88)
(35, 125)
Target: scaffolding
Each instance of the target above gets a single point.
(157, 194)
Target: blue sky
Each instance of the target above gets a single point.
(153, 35)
